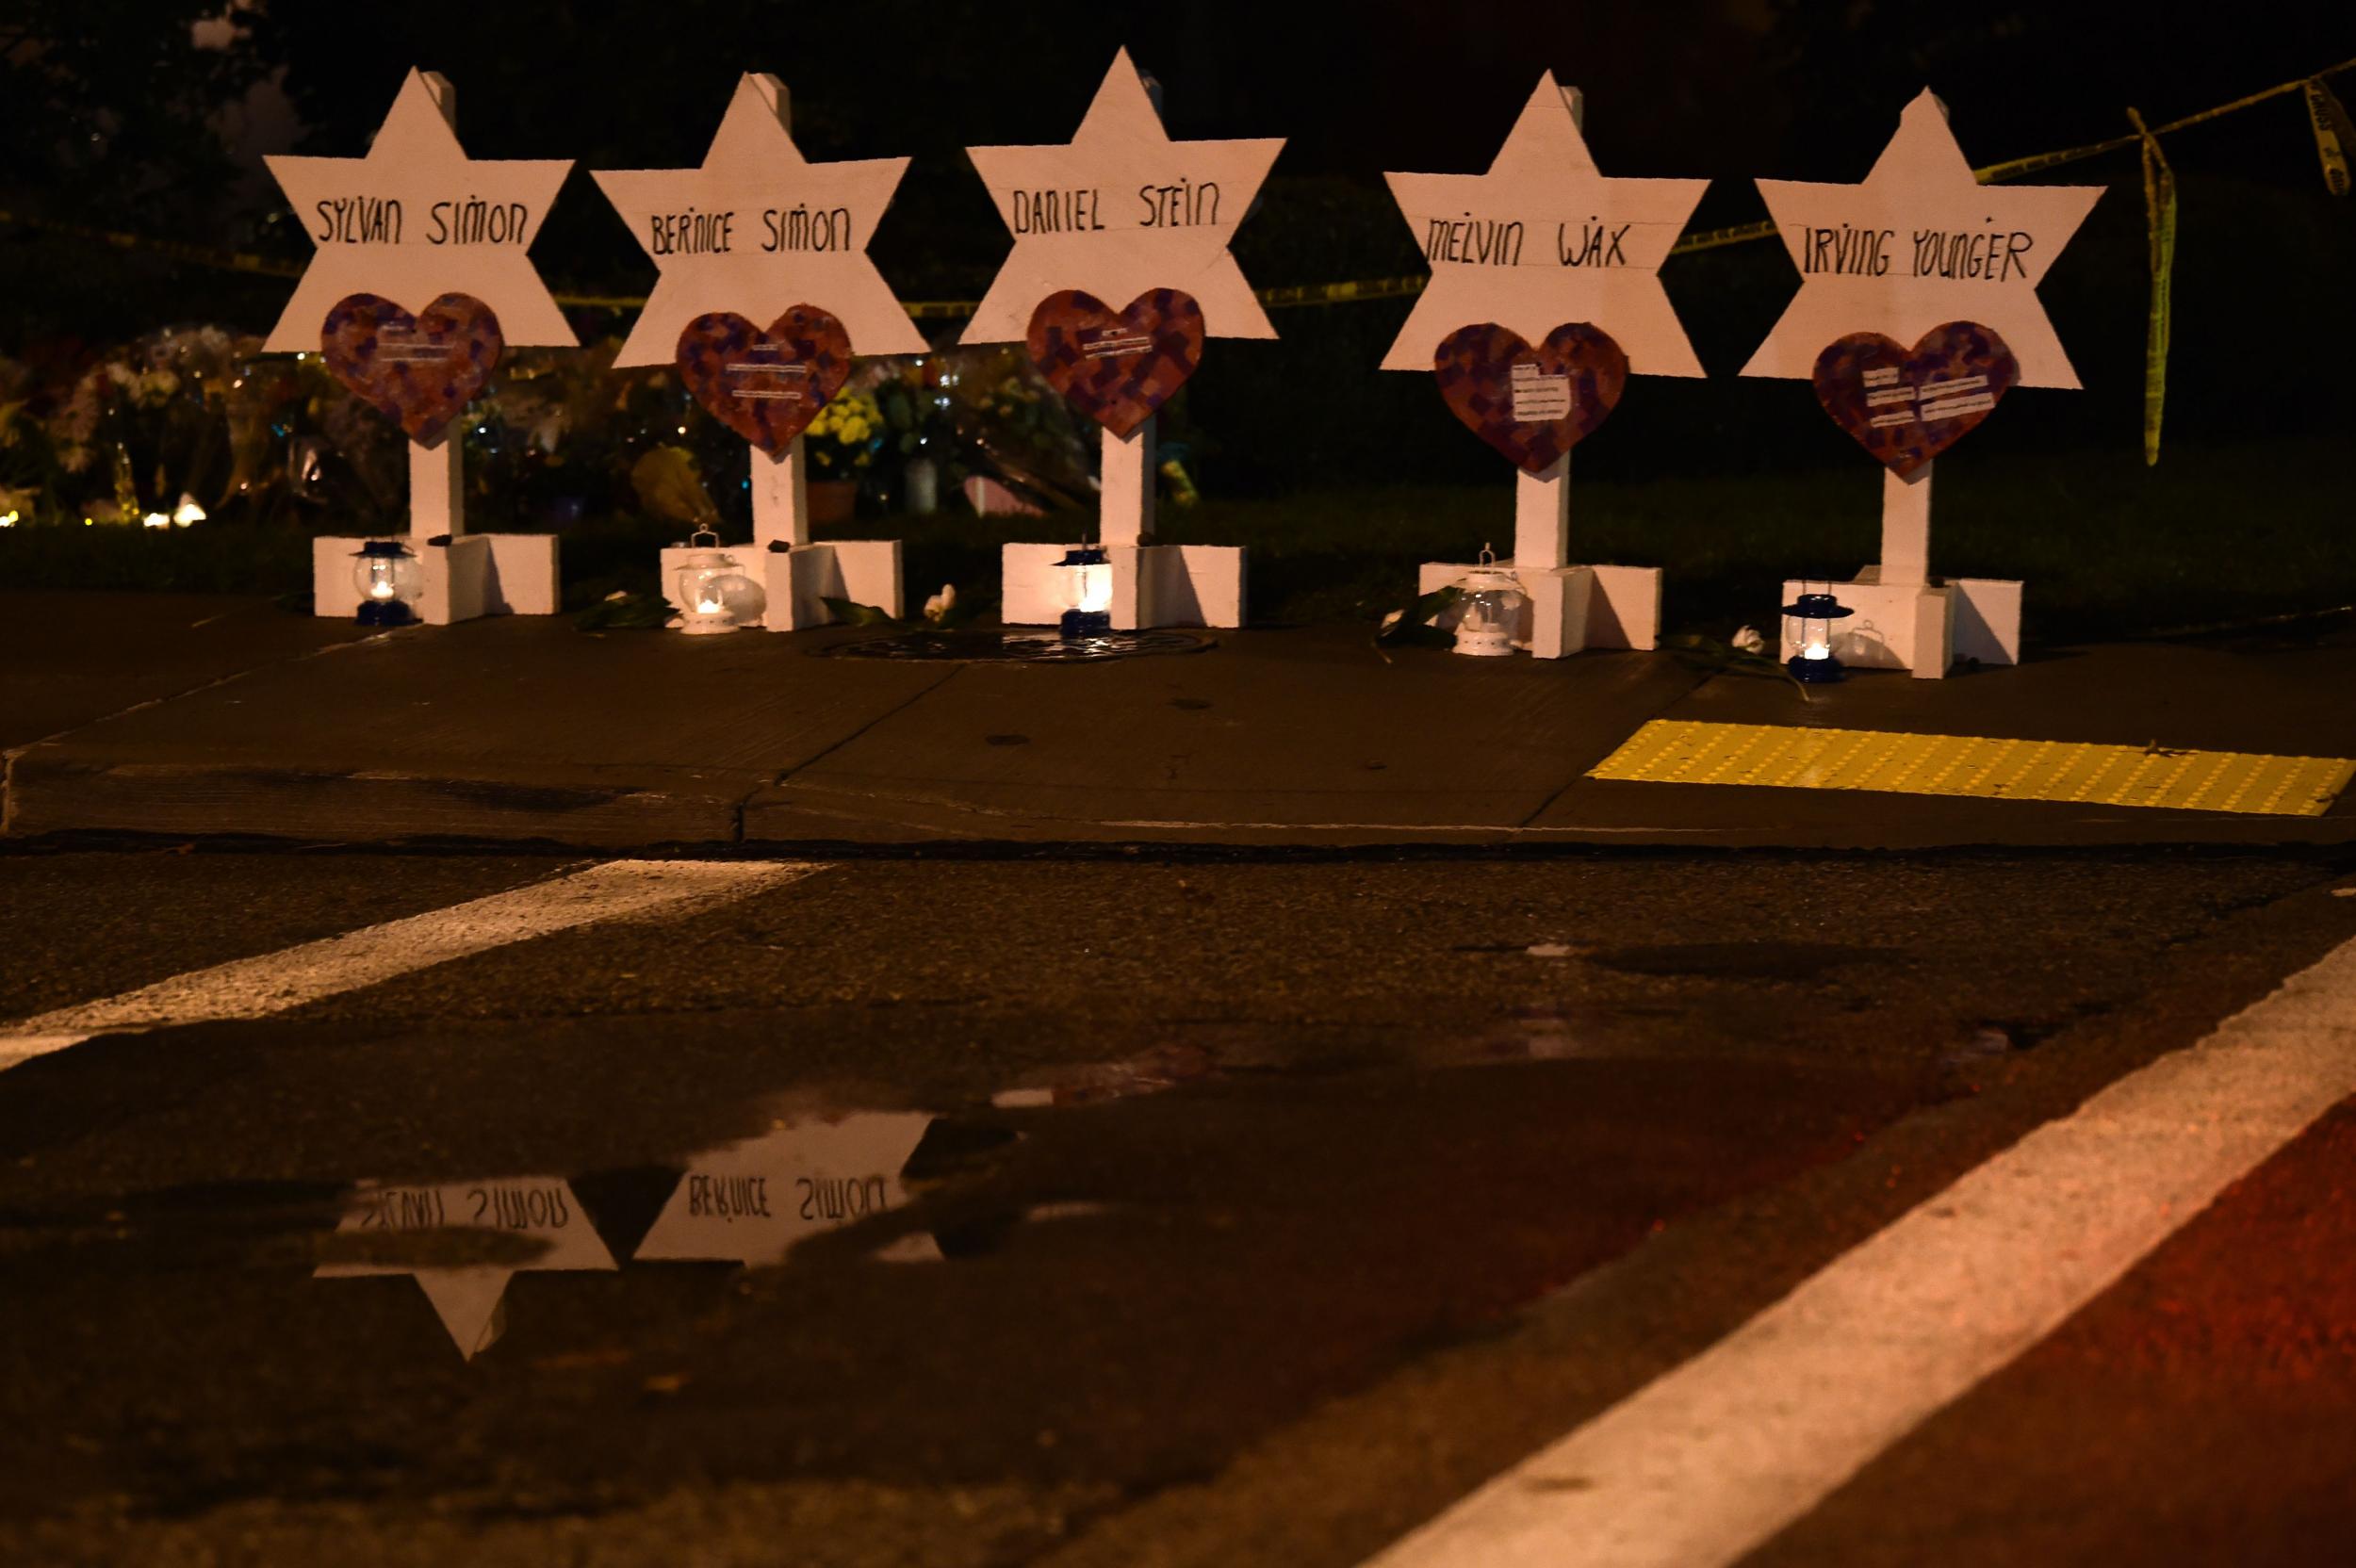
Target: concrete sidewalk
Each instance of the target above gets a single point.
(184, 716)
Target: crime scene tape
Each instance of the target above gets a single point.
(1792, 757)
(2159, 205)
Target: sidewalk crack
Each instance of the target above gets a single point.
(818, 757)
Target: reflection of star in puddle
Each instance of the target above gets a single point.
(753, 1201)
(468, 1297)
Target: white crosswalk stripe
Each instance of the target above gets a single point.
(1704, 1465)
(275, 982)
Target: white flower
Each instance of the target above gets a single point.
(1748, 640)
(937, 607)
(1392, 619)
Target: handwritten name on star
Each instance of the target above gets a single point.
(797, 228)
(1984, 255)
(1180, 203)
(383, 220)
(1474, 241)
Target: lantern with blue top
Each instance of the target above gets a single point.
(1088, 578)
(385, 572)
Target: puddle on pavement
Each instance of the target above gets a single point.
(918, 1186)
(1217, 1245)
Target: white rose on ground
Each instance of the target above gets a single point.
(1749, 641)
(937, 607)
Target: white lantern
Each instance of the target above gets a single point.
(1087, 582)
(713, 591)
(1808, 629)
(1489, 609)
(387, 573)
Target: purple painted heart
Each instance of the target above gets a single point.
(1117, 366)
(1905, 406)
(1531, 404)
(419, 372)
(766, 386)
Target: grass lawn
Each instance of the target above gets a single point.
(2106, 546)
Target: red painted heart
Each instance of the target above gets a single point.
(1906, 408)
(1531, 404)
(766, 386)
(1117, 366)
(419, 372)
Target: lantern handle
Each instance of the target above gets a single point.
(1488, 556)
(697, 540)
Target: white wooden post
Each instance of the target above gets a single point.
(437, 483)
(1542, 518)
(781, 483)
(781, 496)
(1907, 529)
(1126, 494)
(1125, 501)
(1542, 502)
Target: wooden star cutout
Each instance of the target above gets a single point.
(1119, 209)
(759, 228)
(1920, 243)
(1544, 238)
(416, 219)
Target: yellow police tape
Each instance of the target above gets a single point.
(2159, 209)
(1680, 751)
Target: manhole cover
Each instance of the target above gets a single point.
(1020, 648)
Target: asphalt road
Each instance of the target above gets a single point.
(1235, 1211)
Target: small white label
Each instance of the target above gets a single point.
(1952, 408)
(1538, 398)
(1114, 345)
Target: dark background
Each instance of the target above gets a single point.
(112, 115)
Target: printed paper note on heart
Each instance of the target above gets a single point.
(1117, 366)
(1906, 408)
(420, 371)
(1531, 404)
(767, 386)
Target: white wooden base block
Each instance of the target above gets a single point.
(1988, 619)
(1153, 585)
(1571, 608)
(1923, 627)
(523, 573)
(864, 571)
(468, 576)
(795, 583)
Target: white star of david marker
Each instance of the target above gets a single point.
(1919, 243)
(1543, 238)
(1118, 210)
(416, 219)
(759, 228)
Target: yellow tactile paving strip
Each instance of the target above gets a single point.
(1682, 751)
